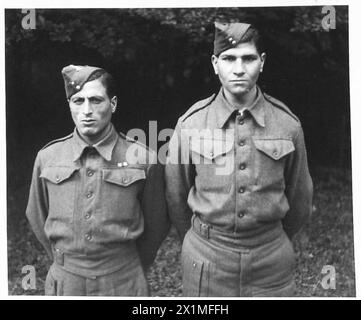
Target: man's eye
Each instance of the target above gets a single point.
(78, 101)
(228, 58)
(96, 101)
(249, 59)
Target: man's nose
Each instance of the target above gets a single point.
(87, 108)
(238, 67)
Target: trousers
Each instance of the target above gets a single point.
(214, 264)
(127, 281)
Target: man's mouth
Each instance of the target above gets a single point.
(88, 121)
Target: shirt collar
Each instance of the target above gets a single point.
(224, 109)
(257, 109)
(104, 147)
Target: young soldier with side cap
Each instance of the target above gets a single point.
(100, 215)
(237, 180)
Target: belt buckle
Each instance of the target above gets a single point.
(59, 256)
(205, 230)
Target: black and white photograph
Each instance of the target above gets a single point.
(179, 151)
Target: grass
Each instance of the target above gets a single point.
(327, 239)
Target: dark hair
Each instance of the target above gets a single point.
(253, 35)
(107, 81)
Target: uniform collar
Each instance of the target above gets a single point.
(224, 109)
(104, 147)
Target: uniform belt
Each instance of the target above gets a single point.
(237, 240)
(93, 265)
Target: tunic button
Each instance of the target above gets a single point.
(88, 236)
(241, 190)
(241, 121)
(87, 215)
(241, 143)
(57, 179)
(241, 214)
(242, 166)
(90, 173)
(194, 264)
(211, 154)
(89, 194)
(125, 180)
(275, 153)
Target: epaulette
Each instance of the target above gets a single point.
(198, 106)
(280, 105)
(129, 139)
(57, 140)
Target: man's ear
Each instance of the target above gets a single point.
(114, 102)
(214, 61)
(263, 60)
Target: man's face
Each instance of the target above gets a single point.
(91, 110)
(238, 68)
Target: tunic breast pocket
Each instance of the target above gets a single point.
(121, 190)
(61, 185)
(270, 158)
(214, 162)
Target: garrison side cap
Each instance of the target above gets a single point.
(228, 35)
(75, 77)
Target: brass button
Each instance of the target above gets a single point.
(57, 179)
(125, 180)
(241, 190)
(242, 166)
(275, 153)
(87, 215)
(241, 143)
(241, 214)
(89, 194)
(88, 236)
(194, 265)
(90, 173)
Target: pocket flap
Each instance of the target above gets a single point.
(123, 177)
(57, 174)
(211, 148)
(274, 148)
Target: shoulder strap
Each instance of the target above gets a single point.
(198, 106)
(280, 105)
(57, 140)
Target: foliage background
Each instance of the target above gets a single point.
(161, 60)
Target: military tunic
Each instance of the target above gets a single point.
(243, 175)
(96, 212)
